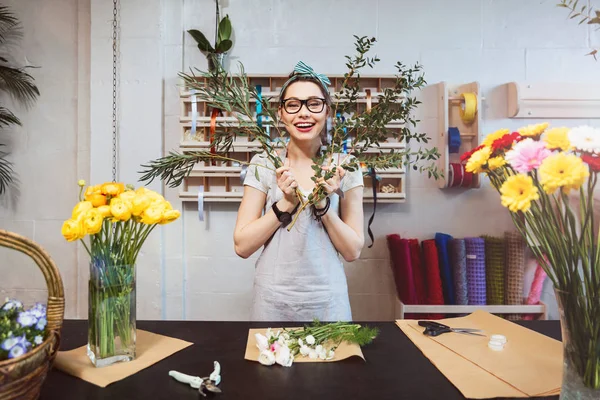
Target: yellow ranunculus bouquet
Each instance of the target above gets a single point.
(546, 178)
(117, 219)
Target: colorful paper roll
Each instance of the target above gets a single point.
(458, 264)
(535, 293)
(418, 271)
(515, 267)
(435, 292)
(402, 268)
(475, 249)
(494, 269)
(441, 241)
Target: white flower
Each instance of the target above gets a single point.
(17, 351)
(322, 352)
(269, 333)
(585, 138)
(26, 319)
(312, 354)
(281, 340)
(38, 339)
(261, 342)
(310, 339)
(300, 343)
(266, 357)
(330, 355)
(286, 336)
(319, 349)
(283, 357)
(304, 350)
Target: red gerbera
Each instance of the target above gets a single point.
(506, 141)
(592, 160)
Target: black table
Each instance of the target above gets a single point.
(394, 368)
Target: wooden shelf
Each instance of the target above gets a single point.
(221, 182)
(449, 108)
(401, 309)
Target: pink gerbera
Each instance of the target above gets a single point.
(527, 155)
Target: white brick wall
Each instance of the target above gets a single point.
(188, 270)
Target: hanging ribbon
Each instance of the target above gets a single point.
(201, 203)
(213, 127)
(194, 112)
(243, 173)
(259, 105)
(374, 180)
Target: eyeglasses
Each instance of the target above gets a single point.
(293, 106)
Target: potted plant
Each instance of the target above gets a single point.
(223, 43)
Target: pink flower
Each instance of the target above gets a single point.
(527, 155)
(274, 346)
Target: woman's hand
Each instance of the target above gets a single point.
(287, 184)
(331, 185)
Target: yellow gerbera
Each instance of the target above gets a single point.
(562, 170)
(533, 130)
(489, 139)
(517, 193)
(557, 138)
(496, 162)
(478, 160)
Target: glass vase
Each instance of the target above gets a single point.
(580, 327)
(111, 314)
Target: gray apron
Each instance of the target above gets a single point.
(299, 274)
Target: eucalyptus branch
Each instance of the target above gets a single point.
(584, 14)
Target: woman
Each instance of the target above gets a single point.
(299, 275)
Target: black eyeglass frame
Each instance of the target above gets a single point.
(304, 103)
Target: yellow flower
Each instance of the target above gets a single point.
(81, 182)
(92, 221)
(478, 160)
(489, 139)
(104, 211)
(496, 162)
(128, 196)
(119, 210)
(155, 198)
(169, 216)
(153, 214)
(112, 188)
(562, 170)
(72, 230)
(533, 130)
(517, 193)
(92, 190)
(81, 208)
(97, 199)
(139, 204)
(557, 138)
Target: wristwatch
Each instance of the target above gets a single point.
(283, 216)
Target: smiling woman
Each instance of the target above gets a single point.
(299, 274)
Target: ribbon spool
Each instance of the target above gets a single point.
(459, 177)
(454, 140)
(468, 112)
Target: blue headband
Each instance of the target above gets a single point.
(303, 70)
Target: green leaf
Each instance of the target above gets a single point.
(203, 43)
(224, 46)
(225, 29)
(6, 171)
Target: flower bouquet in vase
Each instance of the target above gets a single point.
(118, 220)
(547, 179)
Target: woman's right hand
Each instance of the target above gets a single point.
(287, 184)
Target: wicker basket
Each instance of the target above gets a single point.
(22, 377)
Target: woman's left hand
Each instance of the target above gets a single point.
(331, 185)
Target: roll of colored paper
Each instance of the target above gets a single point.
(402, 269)
(515, 268)
(418, 271)
(494, 269)
(441, 241)
(475, 248)
(535, 293)
(435, 293)
(458, 264)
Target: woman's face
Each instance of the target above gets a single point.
(304, 120)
